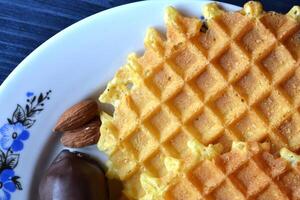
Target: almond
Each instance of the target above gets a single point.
(81, 137)
(77, 116)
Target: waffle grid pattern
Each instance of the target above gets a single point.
(233, 175)
(197, 91)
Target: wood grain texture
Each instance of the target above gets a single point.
(25, 24)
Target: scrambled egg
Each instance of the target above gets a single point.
(204, 152)
(107, 142)
(155, 187)
(290, 156)
(211, 10)
(253, 9)
(295, 13)
(152, 186)
(126, 78)
(239, 146)
(171, 16)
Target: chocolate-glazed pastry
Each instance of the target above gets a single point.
(74, 176)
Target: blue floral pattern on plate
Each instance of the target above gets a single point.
(13, 134)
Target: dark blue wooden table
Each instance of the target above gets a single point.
(25, 24)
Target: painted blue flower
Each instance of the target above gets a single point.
(6, 184)
(29, 94)
(12, 136)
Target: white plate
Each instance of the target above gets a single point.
(74, 64)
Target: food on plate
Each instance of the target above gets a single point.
(248, 171)
(81, 137)
(234, 77)
(79, 125)
(77, 116)
(73, 175)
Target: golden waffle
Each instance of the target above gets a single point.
(237, 80)
(246, 172)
